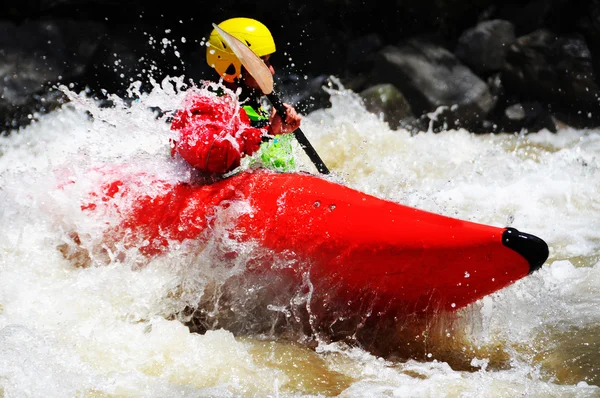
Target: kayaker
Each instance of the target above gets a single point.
(222, 151)
(219, 57)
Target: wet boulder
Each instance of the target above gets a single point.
(389, 103)
(431, 77)
(511, 115)
(589, 26)
(543, 66)
(35, 56)
(527, 117)
(483, 47)
(362, 51)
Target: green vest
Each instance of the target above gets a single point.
(277, 153)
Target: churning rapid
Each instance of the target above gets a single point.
(79, 318)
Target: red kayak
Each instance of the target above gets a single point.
(351, 250)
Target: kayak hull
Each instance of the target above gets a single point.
(350, 250)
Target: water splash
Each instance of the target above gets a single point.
(117, 329)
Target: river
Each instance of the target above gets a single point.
(108, 330)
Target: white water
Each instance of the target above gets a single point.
(104, 330)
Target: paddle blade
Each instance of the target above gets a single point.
(252, 62)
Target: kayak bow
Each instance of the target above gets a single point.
(356, 248)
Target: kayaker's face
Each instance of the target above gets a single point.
(247, 78)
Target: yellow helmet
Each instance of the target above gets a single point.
(256, 36)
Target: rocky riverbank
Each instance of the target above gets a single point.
(488, 66)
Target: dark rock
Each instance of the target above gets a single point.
(483, 47)
(388, 102)
(125, 56)
(528, 117)
(35, 55)
(105, 45)
(510, 115)
(362, 52)
(531, 15)
(430, 76)
(545, 67)
(14, 117)
(589, 25)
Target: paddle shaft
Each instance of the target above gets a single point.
(302, 140)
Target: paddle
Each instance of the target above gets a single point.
(261, 73)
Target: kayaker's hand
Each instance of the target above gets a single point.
(291, 123)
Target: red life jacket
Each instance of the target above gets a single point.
(214, 132)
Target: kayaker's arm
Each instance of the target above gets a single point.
(279, 125)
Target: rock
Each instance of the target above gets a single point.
(386, 100)
(589, 25)
(515, 112)
(511, 115)
(530, 15)
(36, 53)
(362, 52)
(528, 117)
(14, 117)
(545, 67)
(483, 47)
(35, 56)
(103, 45)
(430, 76)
